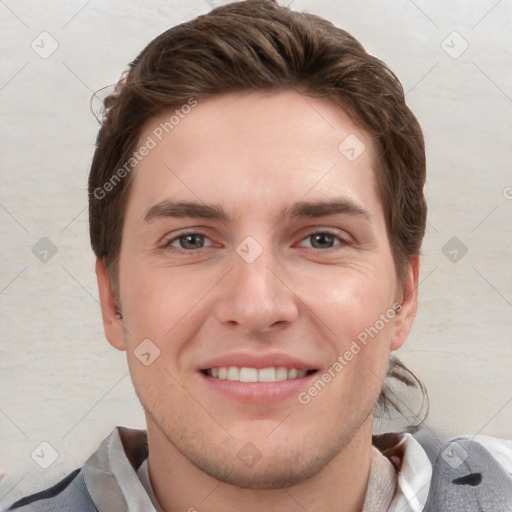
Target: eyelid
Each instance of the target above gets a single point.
(344, 240)
(168, 240)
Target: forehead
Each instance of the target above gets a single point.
(254, 152)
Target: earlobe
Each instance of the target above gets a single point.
(405, 318)
(112, 318)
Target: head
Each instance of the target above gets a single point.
(306, 170)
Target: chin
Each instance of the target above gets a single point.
(265, 464)
(272, 471)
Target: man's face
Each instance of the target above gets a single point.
(273, 283)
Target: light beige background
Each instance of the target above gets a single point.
(61, 382)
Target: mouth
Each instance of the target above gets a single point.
(252, 375)
(263, 380)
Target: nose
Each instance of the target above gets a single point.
(256, 296)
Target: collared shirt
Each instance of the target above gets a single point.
(470, 474)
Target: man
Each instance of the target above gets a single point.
(257, 212)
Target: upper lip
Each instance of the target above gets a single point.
(241, 360)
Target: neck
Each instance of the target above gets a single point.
(180, 486)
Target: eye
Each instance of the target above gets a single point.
(324, 240)
(188, 241)
(193, 241)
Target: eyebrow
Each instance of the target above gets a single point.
(300, 209)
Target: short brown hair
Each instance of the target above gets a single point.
(257, 44)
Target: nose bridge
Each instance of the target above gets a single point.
(256, 298)
(255, 276)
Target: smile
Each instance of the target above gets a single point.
(246, 374)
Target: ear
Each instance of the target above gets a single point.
(112, 322)
(405, 316)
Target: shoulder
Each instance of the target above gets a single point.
(473, 472)
(102, 477)
(68, 494)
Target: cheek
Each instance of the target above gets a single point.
(159, 297)
(353, 381)
(166, 306)
(349, 301)
(357, 317)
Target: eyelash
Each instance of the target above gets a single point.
(167, 245)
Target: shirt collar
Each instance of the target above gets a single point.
(413, 467)
(111, 472)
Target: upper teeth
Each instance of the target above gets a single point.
(256, 375)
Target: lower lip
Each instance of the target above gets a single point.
(258, 392)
